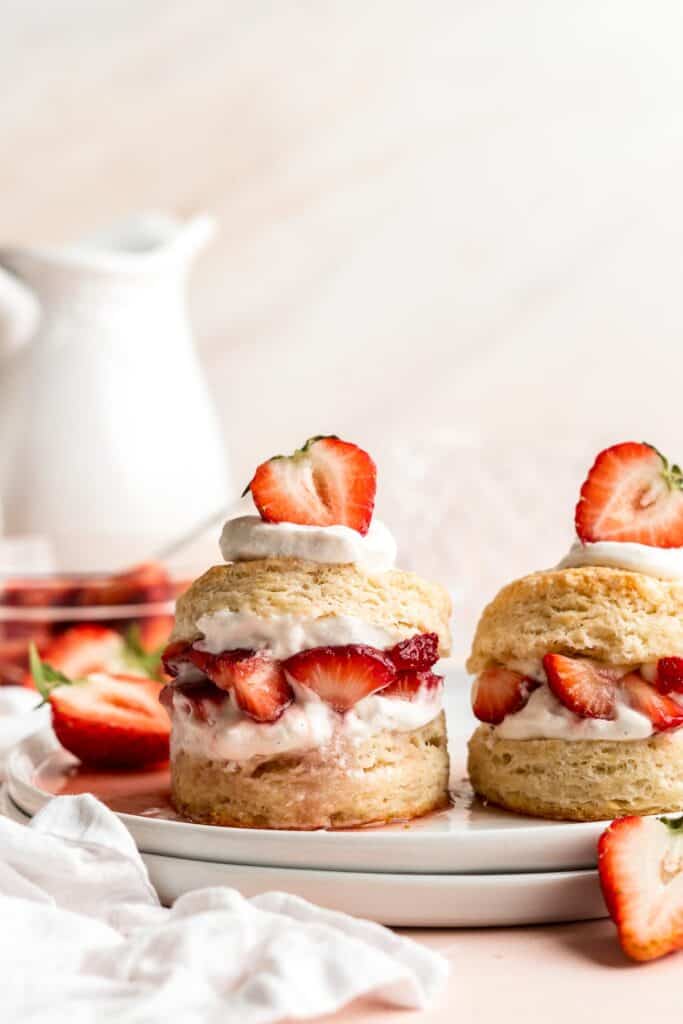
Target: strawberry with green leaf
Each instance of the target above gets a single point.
(107, 720)
(327, 482)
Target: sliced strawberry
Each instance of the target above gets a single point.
(499, 692)
(216, 666)
(257, 680)
(640, 861)
(632, 494)
(664, 712)
(411, 682)
(148, 583)
(669, 675)
(204, 700)
(111, 721)
(326, 482)
(39, 592)
(417, 652)
(586, 687)
(260, 687)
(175, 654)
(341, 676)
(84, 649)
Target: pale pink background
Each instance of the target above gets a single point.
(460, 219)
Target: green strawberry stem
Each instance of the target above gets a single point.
(296, 455)
(45, 676)
(673, 824)
(137, 658)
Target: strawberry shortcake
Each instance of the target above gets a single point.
(579, 684)
(303, 690)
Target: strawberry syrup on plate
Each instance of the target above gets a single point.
(148, 793)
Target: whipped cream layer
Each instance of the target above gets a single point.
(544, 717)
(285, 635)
(308, 723)
(248, 538)
(664, 563)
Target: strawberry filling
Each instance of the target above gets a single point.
(587, 688)
(263, 688)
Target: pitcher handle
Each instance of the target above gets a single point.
(19, 313)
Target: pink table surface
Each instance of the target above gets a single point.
(552, 973)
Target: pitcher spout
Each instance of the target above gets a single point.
(152, 237)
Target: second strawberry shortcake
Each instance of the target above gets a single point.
(303, 692)
(579, 670)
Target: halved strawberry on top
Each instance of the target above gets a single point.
(107, 720)
(586, 687)
(327, 482)
(343, 675)
(499, 692)
(632, 494)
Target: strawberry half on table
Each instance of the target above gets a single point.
(87, 648)
(633, 494)
(107, 720)
(327, 482)
(640, 861)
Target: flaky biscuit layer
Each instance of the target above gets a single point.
(396, 600)
(391, 775)
(581, 780)
(609, 614)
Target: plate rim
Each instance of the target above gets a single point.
(352, 835)
(544, 847)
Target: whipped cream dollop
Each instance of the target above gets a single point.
(308, 723)
(248, 538)
(664, 563)
(285, 635)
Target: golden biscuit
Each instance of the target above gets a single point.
(624, 618)
(396, 600)
(391, 775)
(579, 780)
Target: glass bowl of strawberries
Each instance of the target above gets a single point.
(85, 623)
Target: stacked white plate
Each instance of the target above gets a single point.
(467, 866)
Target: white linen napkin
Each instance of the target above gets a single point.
(19, 716)
(83, 937)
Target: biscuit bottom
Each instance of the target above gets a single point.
(581, 780)
(392, 775)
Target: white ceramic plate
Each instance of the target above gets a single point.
(467, 838)
(406, 900)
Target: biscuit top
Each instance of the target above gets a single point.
(624, 618)
(398, 601)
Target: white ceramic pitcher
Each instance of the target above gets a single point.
(109, 445)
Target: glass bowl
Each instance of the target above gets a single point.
(87, 622)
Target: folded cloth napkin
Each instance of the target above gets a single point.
(83, 938)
